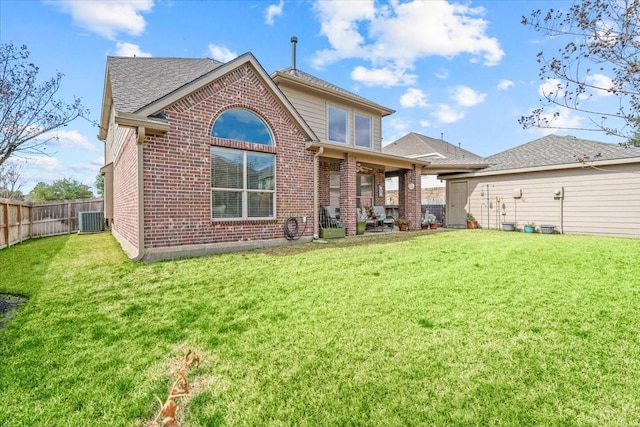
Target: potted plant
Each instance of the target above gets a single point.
(403, 224)
(428, 221)
(471, 221)
(361, 221)
(547, 229)
(508, 226)
(530, 227)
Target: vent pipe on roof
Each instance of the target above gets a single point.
(294, 40)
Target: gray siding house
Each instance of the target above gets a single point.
(576, 185)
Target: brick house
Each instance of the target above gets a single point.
(204, 157)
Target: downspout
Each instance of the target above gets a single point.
(316, 216)
(141, 136)
(562, 214)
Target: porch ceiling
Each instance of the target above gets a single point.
(389, 161)
(392, 163)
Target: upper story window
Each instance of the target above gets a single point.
(338, 124)
(242, 125)
(363, 131)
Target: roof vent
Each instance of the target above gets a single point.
(294, 40)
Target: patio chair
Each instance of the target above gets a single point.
(330, 217)
(387, 220)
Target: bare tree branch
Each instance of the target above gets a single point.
(28, 109)
(602, 54)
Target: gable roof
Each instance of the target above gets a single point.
(552, 150)
(139, 88)
(416, 146)
(298, 77)
(136, 82)
(442, 156)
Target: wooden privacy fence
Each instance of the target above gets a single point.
(20, 220)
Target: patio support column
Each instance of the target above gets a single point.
(410, 196)
(348, 193)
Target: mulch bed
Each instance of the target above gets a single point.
(9, 304)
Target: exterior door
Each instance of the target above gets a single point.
(456, 211)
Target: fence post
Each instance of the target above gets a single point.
(6, 223)
(69, 215)
(20, 223)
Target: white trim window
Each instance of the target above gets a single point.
(334, 188)
(242, 125)
(243, 184)
(364, 133)
(338, 124)
(364, 190)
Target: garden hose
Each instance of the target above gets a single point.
(292, 228)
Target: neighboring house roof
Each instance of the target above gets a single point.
(553, 150)
(416, 146)
(305, 79)
(443, 156)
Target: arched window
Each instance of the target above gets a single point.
(242, 125)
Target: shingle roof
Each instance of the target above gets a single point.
(317, 82)
(436, 151)
(137, 82)
(557, 150)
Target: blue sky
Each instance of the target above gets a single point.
(464, 70)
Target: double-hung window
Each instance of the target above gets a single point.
(364, 190)
(334, 188)
(363, 131)
(243, 184)
(338, 124)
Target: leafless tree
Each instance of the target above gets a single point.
(602, 54)
(28, 109)
(11, 181)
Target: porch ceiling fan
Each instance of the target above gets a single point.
(360, 168)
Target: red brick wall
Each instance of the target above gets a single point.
(325, 167)
(410, 201)
(177, 167)
(125, 190)
(348, 194)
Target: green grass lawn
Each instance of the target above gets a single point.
(460, 328)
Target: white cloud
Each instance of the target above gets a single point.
(384, 77)
(505, 84)
(41, 169)
(564, 119)
(108, 18)
(273, 11)
(447, 114)
(395, 128)
(551, 88)
(414, 98)
(339, 23)
(600, 81)
(221, 53)
(393, 36)
(442, 74)
(69, 139)
(467, 97)
(130, 49)
(425, 123)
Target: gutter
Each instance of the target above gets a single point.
(140, 164)
(316, 216)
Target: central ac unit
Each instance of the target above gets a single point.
(90, 222)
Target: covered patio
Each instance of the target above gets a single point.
(351, 178)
